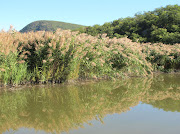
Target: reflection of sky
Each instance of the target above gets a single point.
(142, 119)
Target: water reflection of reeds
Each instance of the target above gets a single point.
(65, 107)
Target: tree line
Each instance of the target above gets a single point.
(160, 25)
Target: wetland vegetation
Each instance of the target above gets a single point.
(42, 57)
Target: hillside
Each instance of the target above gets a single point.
(44, 25)
(160, 25)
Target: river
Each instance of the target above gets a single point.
(143, 105)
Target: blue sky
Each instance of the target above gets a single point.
(19, 13)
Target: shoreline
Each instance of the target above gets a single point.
(75, 82)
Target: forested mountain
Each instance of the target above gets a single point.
(160, 25)
(44, 25)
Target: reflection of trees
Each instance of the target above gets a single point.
(64, 107)
(167, 93)
(167, 105)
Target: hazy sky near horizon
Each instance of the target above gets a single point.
(19, 13)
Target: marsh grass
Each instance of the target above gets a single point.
(12, 71)
(42, 57)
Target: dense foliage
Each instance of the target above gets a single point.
(160, 25)
(65, 55)
(48, 26)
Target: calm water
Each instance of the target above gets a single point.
(132, 106)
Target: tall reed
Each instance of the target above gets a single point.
(66, 55)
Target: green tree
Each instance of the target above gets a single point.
(160, 25)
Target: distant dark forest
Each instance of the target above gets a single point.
(160, 25)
